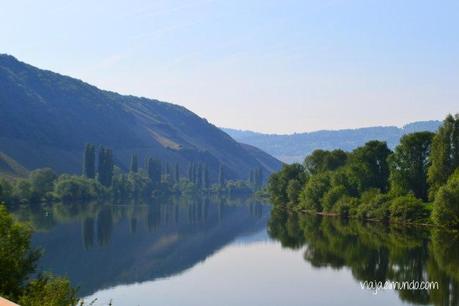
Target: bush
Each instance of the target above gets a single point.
(446, 205)
(77, 188)
(408, 209)
(374, 205)
(346, 206)
(332, 196)
(6, 190)
(17, 258)
(22, 191)
(314, 190)
(42, 182)
(49, 290)
(18, 261)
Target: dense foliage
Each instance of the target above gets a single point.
(17, 264)
(372, 182)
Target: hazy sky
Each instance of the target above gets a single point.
(271, 66)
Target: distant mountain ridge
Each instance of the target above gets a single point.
(47, 118)
(294, 147)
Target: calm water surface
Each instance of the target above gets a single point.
(218, 252)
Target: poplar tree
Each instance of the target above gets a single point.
(205, 177)
(252, 178)
(105, 167)
(445, 153)
(221, 176)
(154, 170)
(89, 161)
(190, 172)
(409, 165)
(195, 173)
(259, 178)
(134, 167)
(177, 173)
(199, 175)
(100, 165)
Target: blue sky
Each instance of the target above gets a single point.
(270, 66)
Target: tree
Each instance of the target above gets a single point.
(314, 190)
(22, 190)
(278, 182)
(445, 153)
(373, 157)
(321, 160)
(76, 188)
(258, 178)
(154, 171)
(49, 290)
(105, 167)
(293, 190)
(17, 264)
(17, 258)
(177, 173)
(221, 176)
(89, 161)
(41, 183)
(252, 178)
(134, 167)
(205, 177)
(409, 165)
(190, 172)
(446, 205)
(331, 197)
(6, 190)
(408, 209)
(198, 175)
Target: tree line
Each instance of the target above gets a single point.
(102, 179)
(417, 182)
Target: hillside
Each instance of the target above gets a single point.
(10, 167)
(294, 147)
(47, 118)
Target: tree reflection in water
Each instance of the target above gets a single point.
(99, 245)
(376, 252)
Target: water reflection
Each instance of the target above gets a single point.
(374, 252)
(100, 245)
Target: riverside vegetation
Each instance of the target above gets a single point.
(18, 262)
(103, 180)
(100, 181)
(418, 182)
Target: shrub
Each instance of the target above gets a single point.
(408, 208)
(17, 258)
(374, 205)
(49, 290)
(18, 261)
(76, 188)
(446, 205)
(346, 206)
(332, 196)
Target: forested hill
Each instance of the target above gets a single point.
(47, 118)
(295, 147)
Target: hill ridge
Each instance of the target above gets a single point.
(46, 119)
(294, 147)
